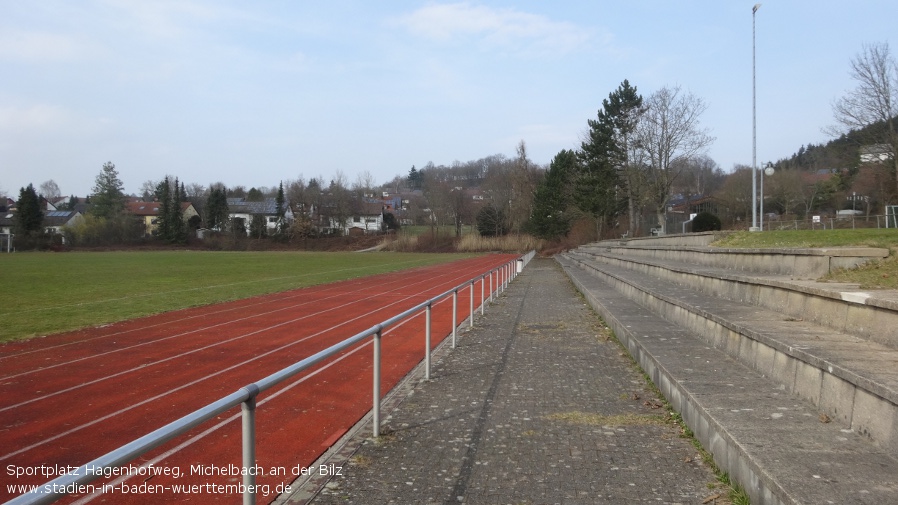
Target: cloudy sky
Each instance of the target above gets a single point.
(252, 93)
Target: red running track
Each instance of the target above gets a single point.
(70, 398)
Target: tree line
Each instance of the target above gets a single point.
(639, 158)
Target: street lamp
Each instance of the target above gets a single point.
(768, 170)
(754, 137)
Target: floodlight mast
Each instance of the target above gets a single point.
(754, 129)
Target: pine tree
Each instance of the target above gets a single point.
(109, 195)
(551, 217)
(177, 229)
(163, 219)
(217, 209)
(29, 216)
(608, 179)
(280, 210)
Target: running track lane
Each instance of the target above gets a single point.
(70, 398)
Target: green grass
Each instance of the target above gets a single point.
(885, 238)
(47, 293)
(877, 274)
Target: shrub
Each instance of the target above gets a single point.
(705, 221)
(491, 222)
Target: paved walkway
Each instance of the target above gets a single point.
(534, 406)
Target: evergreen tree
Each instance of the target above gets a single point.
(551, 217)
(415, 178)
(491, 222)
(607, 180)
(29, 216)
(108, 193)
(254, 195)
(217, 209)
(177, 227)
(280, 210)
(163, 219)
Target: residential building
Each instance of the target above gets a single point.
(241, 212)
(148, 213)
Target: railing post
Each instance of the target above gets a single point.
(248, 409)
(375, 410)
(454, 314)
(472, 304)
(427, 342)
(482, 297)
(491, 287)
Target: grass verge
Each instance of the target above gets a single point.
(876, 274)
(48, 293)
(886, 238)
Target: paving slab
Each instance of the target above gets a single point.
(535, 405)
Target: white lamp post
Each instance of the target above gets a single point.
(768, 170)
(754, 138)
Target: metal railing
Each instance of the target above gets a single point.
(246, 395)
(848, 222)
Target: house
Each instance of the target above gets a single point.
(692, 204)
(875, 153)
(7, 222)
(148, 213)
(53, 224)
(241, 212)
(368, 218)
(56, 220)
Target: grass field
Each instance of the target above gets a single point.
(880, 274)
(47, 293)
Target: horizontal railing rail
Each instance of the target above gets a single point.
(246, 395)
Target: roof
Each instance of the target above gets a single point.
(59, 217)
(51, 218)
(149, 208)
(267, 207)
(143, 208)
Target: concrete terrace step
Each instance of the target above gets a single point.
(770, 441)
(849, 378)
(799, 263)
(844, 307)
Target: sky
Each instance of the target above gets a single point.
(254, 93)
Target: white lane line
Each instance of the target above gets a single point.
(131, 407)
(296, 293)
(257, 315)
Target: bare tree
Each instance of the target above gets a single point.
(525, 177)
(338, 201)
(498, 189)
(734, 196)
(296, 194)
(50, 190)
(872, 106)
(701, 177)
(194, 190)
(670, 135)
(438, 192)
(364, 183)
